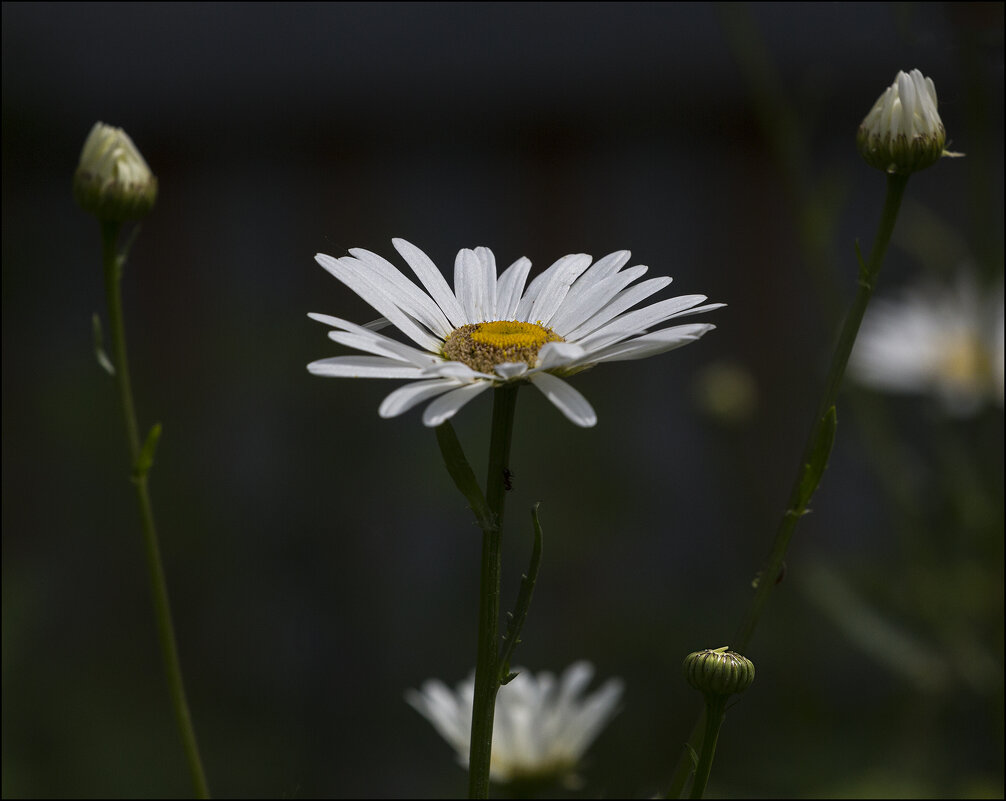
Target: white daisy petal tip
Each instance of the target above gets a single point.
(492, 329)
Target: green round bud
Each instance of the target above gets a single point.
(718, 671)
(112, 181)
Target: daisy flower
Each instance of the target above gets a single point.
(944, 342)
(543, 725)
(492, 330)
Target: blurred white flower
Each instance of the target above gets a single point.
(490, 331)
(944, 342)
(903, 132)
(542, 725)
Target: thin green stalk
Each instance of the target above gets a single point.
(487, 678)
(715, 705)
(142, 457)
(818, 445)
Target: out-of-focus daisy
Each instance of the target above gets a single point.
(492, 329)
(948, 343)
(543, 725)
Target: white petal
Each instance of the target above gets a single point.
(615, 333)
(538, 284)
(438, 706)
(530, 293)
(446, 406)
(378, 324)
(570, 402)
(650, 344)
(379, 294)
(579, 306)
(606, 266)
(434, 281)
(362, 367)
(468, 284)
(574, 680)
(404, 398)
(554, 291)
(488, 262)
(410, 298)
(641, 319)
(510, 370)
(382, 346)
(457, 370)
(591, 717)
(509, 288)
(399, 349)
(625, 299)
(328, 319)
(559, 354)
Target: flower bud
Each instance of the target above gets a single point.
(903, 132)
(112, 181)
(718, 671)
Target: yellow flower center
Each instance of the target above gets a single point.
(484, 345)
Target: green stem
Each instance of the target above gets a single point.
(802, 489)
(715, 705)
(799, 496)
(487, 678)
(113, 264)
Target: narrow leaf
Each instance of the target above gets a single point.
(824, 438)
(146, 458)
(461, 473)
(519, 614)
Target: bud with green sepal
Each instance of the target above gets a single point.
(112, 181)
(719, 671)
(903, 132)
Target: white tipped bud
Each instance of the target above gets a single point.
(112, 181)
(903, 132)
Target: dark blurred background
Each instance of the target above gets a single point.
(320, 561)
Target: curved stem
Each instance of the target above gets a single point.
(487, 678)
(801, 493)
(806, 483)
(113, 263)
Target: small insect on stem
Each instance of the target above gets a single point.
(507, 476)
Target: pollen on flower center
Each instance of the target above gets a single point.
(484, 345)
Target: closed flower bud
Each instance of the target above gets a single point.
(718, 671)
(903, 132)
(112, 181)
